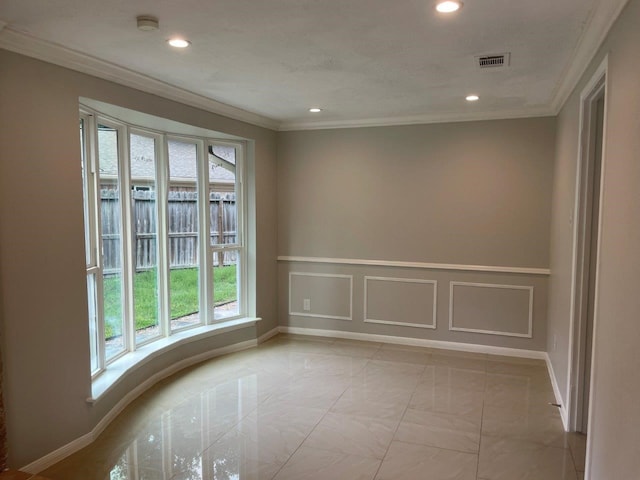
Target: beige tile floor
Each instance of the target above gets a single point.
(302, 408)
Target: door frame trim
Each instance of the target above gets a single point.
(597, 85)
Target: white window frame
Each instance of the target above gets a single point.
(91, 118)
(161, 237)
(241, 227)
(203, 278)
(92, 231)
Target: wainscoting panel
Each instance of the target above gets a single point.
(491, 309)
(409, 302)
(488, 306)
(321, 295)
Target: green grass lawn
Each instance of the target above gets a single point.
(183, 289)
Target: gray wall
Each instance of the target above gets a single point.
(613, 434)
(402, 300)
(467, 193)
(474, 193)
(42, 282)
(564, 190)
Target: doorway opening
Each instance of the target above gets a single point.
(587, 240)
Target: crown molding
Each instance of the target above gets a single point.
(30, 46)
(598, 25)
(600, 22)
(419, 119)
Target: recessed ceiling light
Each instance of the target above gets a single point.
(179, 42)
(449, 6)
(315, 110)
(472, 98)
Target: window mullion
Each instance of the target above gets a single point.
(128, 266)
(241, 228)
(89, 181)
(162, 176)
(133, 461)
(96, 234)
(206, 257)
(222, 248)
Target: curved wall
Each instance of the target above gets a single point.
(45, 344)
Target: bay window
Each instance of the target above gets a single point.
(164, 236)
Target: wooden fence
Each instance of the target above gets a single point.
(182, 223)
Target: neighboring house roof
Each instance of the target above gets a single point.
(182, 159)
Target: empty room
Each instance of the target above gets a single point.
(296, 240)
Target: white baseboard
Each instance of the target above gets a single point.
(556, 392)
(50, 459)
(417, 342)
(161, 375)
(270, 334)
(59, 454)
(70, 448)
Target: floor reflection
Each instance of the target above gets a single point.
(174, 444)
(311, 409)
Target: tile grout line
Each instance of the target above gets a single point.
(408, 442)
(234, 425)
(352, 380)
(573, 457)
(484, 397)
(227, 430)
(453, 449)
(537, 443)
(318, 423)
(404, 412)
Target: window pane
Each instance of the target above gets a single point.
(183, 235)
(223, 211)
(85, 193)
(111, 241)
(224, 151)
(144, 211)
(222, 196)
(226, 285)
(93, 321)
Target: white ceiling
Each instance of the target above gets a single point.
(364, 62)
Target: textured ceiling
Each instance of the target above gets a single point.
(360, 60)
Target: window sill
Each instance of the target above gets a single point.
(116, 371)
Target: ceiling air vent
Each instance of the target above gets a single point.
(497, 60)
